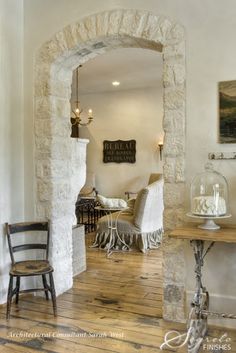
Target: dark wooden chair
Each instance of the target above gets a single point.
(30, 267)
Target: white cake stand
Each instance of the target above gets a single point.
(209, 223)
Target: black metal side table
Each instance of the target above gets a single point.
(86, 213)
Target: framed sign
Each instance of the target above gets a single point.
(119, 151)
(227, 107)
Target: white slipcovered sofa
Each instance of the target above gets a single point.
(140, 226)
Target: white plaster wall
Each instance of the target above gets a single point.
(131, 114)
(211, 53)
(11, 126)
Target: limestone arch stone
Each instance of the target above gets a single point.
(60, 160)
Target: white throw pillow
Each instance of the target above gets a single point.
(111, 202)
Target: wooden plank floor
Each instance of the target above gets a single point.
(115, 306)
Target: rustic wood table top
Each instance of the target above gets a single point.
(227, 233)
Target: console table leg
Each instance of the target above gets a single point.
(197, 323)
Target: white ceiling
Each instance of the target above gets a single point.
(134, 68)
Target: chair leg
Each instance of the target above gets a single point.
(9, 297)
(45, 286)
(53, 294)
(17, 289)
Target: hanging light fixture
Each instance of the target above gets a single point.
(76, 120)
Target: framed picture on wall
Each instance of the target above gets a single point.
(227, 111)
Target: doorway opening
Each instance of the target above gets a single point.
(60, 164)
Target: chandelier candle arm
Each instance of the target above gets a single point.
(77, 119)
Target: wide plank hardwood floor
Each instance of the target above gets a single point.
(115, 306)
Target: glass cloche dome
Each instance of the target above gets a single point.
(209, 197)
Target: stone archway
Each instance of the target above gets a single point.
(60, 159)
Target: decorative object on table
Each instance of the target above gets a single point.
(119, 151)
(76, 120)
(221, 155)
(209, 197)
(141, 229)
(227, 111)
(111, 202)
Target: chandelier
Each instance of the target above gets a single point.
(76, 119)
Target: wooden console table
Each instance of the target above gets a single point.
(197, 321)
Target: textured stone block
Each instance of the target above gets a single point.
(179, 74)
(60, 209)
(49, 127)
(169, 170)
(60, 89)
(63, 190)
(55, 210)
(59, 127)
(60, 108)
(44, 190)
(174, 122)
(174, 265)
(79, 32)
(173, 74)
(79, 250)
(61, 148)
(70, 39)
(42, 79)
(174, 98)
(180, 170)
(176, 34)
(42, 107)
(62, 274)
(174, 169)
(174, 145)
(41, 127)
(42, 210)
(174, 313)
(173, 217)
(50, 106)
(43, 144)
(112, 22)
(131, 23)
(173, 293)
(174, 195)
(174, 51)
(90, 26)
(103, 22)
(168, 75)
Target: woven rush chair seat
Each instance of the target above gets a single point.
(31, 267)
